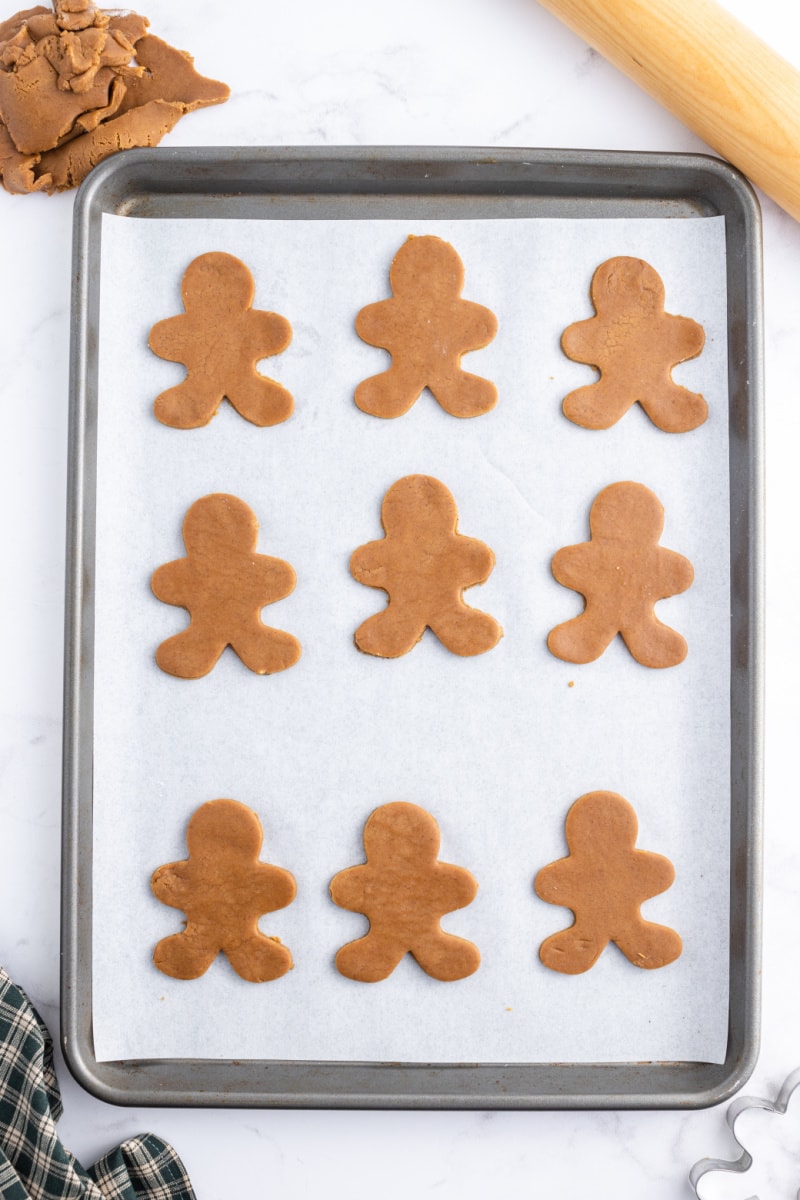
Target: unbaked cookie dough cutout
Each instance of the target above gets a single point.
(224, 584)
(220, 338)
(604, 881)
(622, 573)
(223, 888)
(425, 565)
(634, 344)
(404, 891)
(427, 327)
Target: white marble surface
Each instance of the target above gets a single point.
(436, 72)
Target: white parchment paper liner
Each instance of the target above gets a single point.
(497, 747)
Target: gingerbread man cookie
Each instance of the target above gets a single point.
(424, 564)
(635, 344)
(223, 889)
(404, 891)
(605, 880)
(219, 339)
(426, 327)
(224, 584)
(621, 573)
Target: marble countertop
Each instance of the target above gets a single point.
(444, 72)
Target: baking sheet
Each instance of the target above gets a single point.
(496, 747)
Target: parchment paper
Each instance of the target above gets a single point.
(498, 746)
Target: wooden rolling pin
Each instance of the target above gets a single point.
(702, 64)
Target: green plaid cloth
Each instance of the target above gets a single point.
(33, 1163)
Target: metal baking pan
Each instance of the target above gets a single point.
(284, 183)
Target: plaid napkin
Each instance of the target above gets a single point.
(33, 1163)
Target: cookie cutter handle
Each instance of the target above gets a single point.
(713, 73)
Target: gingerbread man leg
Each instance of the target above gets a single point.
(189, 654)
(646, 944)
(654, 644)
(445, 956)
(371, 958)
(465, 631)
(596, 406)
(186, 955)
(183, 407)
(393, 392)
(573, 951)
(463, 395)
(390, 633)
(259, 958)
(265, 650)
(584, 638)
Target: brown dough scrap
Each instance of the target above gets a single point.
(17, 171)
(634, 344)
(404, 891)
(424, 564)
(28, 18)
(223, 889)
(605, 881)
(219, 339)
(39, 126)
(73, 90)
(622, 573)
(169, 74)
(68, 165)
(224, 584)
(426, 327)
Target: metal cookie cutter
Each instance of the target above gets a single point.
(745, 1159)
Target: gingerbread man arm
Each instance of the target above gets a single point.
(271, 887)
(553, 882)
(264, 334)
(571, 565)
(171, 338)
(173, 583)
(368, 564)
(274, 577)
(477, 559)
(172, 884)
(453, 887)
(378, 324)
(348, 887)
(675, 573)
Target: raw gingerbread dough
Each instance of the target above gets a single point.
(605, 880)
(78, 83)
(224, 584)
(635, 344)
(219, 339)
(223, 889)
(426, 327)
(424, 564)
(404, 891)
(621, 573)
